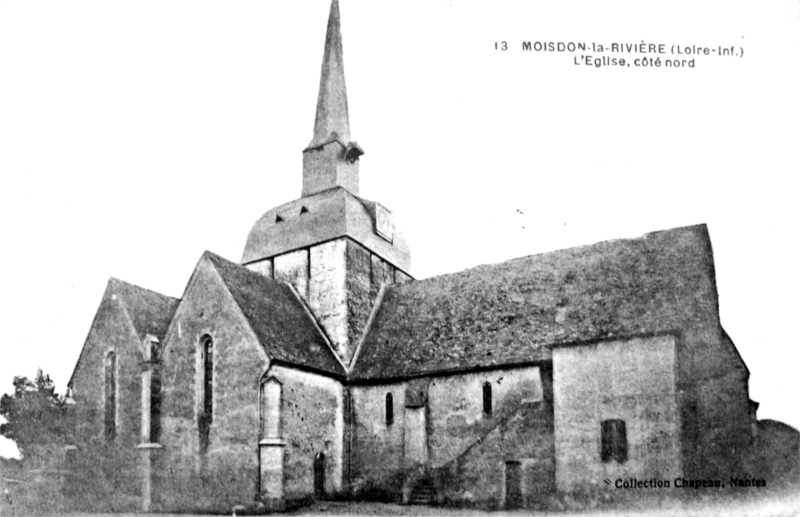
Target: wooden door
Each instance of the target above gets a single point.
(319, 476)
(513, 485)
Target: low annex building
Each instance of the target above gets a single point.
(318, 366)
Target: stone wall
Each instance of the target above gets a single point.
(108, 472)
(263, 267)
(382, 273)
(377, 452)
(361, 293)
(111, 331)
(456, 406)
(293, 268)
(723, 429)
(328, 292)
(633, 380)
(457, 433)
(325, 168)
(472, 447)
(401, 277)
(715, 399)
(479, 475)
(227, 474)
(312, 422)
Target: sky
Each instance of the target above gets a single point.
(134, 135)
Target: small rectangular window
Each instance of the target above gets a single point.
(614, 438)
(487, 399)
(389, 409)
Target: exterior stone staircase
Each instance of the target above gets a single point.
(422, 485)
(477, 442)
(424, 491)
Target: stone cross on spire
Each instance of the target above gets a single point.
(331, 159)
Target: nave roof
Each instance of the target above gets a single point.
(515, 311)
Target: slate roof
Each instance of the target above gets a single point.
(329, 214)
(515, 311)
(278, 318)
(150, 312)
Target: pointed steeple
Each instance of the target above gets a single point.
(331, 159)
(332, 121)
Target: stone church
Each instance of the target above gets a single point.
(317, 366)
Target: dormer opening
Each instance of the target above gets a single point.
(278, 219)
(303, 210)
(384, 223)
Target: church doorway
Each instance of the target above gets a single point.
(319, 476)
(513, 485)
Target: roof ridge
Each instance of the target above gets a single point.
(218, 260)
(693, 227)
(114, 280)
(494, 315)
(238, 267)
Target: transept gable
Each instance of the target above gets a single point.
(126, 316)
(149, 312)
(269, 310)
(207, 308)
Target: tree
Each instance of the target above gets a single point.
(37, 419)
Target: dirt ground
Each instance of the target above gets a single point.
(783, 506)
(775, 507)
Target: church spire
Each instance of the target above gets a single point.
(332, 121)
(331, 159)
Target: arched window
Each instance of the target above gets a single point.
(389, 409)
(111, 397)
(151, 391)
(155, 406)
(270, 408)
(207, 391)
(487, 399)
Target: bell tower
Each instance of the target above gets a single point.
(336, 248)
